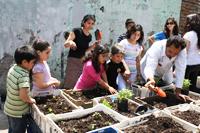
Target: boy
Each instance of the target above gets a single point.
(116, 66)
(18, 101)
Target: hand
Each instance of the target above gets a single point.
(73, 45)
(112, 90)
(126, 75)
(32, 101)
(150, 82)
(183, 97)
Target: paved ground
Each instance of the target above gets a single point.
(3, 121)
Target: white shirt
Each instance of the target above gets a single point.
(131, 53)
(193, 53)
(155, 62)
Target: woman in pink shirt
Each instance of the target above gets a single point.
(94, 71)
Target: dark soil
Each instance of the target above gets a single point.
(157, 125)
(190, 116)
(87, 123)
(162, 102)
(55, 104)
(131, 107)
(194, 97)
(87, 95)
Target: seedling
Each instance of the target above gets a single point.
(124, 94)
(186, 84)
(106, 103)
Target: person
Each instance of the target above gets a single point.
(128, 24)
(78, 42)
(94, 71)
(170, 29)
(133, 51)
(192, 37)
(115, 65)
(18, 101)
(43, 82)
(159, 59)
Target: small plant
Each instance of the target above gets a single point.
(186, 84)
(97, 115)
(106, 103)
(124, 94)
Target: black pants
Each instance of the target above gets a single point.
(191, 73)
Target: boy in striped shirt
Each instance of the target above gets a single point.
(18, 101)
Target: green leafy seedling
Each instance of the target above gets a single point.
(124, 94)
(106, 103)
(186, 84)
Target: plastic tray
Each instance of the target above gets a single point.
(39, 116)
(52, 127)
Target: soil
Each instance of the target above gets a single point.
(87, 95)
(194, 97)
(131, 107)
(87, 123)
(162, 102)
(55, 104)
(157, 125)
(189, 116)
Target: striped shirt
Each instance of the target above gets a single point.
(17, 78)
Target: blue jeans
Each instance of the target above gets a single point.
(20, 125)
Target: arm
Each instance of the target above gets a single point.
(151, 39)
(106, 86)
(69, 43)
(23, 94)
(104, 77)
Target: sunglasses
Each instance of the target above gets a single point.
(171, 23)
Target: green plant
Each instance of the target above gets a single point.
(106, 103)
(186, 84)
(124, 94)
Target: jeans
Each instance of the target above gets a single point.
(20, 125)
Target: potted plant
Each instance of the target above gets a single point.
(185, 88)
(123, 96)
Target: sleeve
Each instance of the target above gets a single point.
(24, 81)
(187, 36)
(37, 69)
(152, 58)
(92, 73)
(159, 36)
(122, 67)
(180, 64)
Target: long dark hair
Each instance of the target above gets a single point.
(140, 29)
(99, 49)
(193, 24)
(86, 18)
(175, 29)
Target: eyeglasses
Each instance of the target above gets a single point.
(171, 23)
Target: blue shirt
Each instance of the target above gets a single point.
(159, 36)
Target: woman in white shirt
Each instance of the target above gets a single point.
(192, 37)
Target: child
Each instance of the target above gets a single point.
(43, 82)
(78, 42)
(133, 49)
(94, 71)
(128, 24)
(115, 65)
(18, 101)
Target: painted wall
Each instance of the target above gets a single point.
(22, 20)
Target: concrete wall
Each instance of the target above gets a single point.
(22, 20)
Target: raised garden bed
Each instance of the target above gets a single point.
(189, 116)
(51, 105)
(157, 125)
(56, 105)
(84, 98)
(81, 121)
(163, 102)
(87, 123)
(194, 96)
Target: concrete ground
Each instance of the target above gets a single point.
(3, 121)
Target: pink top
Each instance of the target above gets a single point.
(89, 77)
